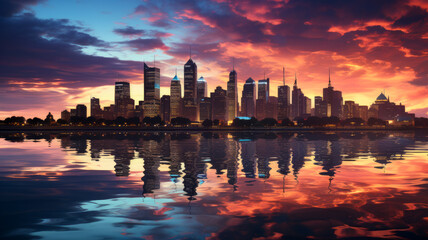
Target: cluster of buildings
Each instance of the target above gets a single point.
(222, 104)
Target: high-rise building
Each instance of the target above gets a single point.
(65, 115)
(283, 99)
(201, 89)
(248, 99)
(122, 99)
(363, 111)
(190, 106)
(232, 96)
(96, 108)
(322, 108)
(272, 108)
(308, 106)
(175, 92)
(297, 98)
(165, 108)
(205, 109)
(334, 98)
(263, 96)
(383, 109)
(81, 111)
(219, 104)
(349, 110)
(151, 91)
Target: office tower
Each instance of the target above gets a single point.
(348, 110)
(363, 111)
(322, 108)
(205, 109)
(124, 105)
(383, 109)
(81, 111)
(73, 112)
(334, 98)
(95, 108)
(272, 108)
(151, 91)
(190, 106)
(308, 106)
(219, 104)
(232, 96)
(263, 96)
(298, 100)
(165, 108)
(283, 99)
(201, 89)
(175, 92)
(65, 115)
(248, 99)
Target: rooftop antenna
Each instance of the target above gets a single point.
(176, 71)
(233, 64)
(329, 81)
(295, 78)
(283, 75)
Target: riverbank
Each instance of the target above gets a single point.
(195, 129)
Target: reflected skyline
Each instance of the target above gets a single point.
(284, 181)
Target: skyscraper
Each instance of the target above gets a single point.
(151, 91)
(232, 96)
(296, 108)
(165, 108)
(190, 107)
(175, 92)
(205, 109)
(201, 89)
(122, 96)
(219, 104)
(81, 111)
(95, 108)
(248, 99)
(283, 99)
(334, 98)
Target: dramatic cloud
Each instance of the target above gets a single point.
(373, 45)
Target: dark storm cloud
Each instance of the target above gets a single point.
(10, 7)
(129, 32)
(141, 44)
(45, 51)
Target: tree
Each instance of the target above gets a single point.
(62, 122)
(14, 120)
(353, 122)
(376, 122)
(35, 121)
(207, 123)
(216, 122)
(180, 121)
(313, 121)
(133, 121)
(268, 122)
(286, 122)
(120, 121)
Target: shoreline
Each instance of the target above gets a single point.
(197, 129)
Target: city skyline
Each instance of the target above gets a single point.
(73, 57)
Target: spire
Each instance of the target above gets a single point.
(233, 64)
(175, 71)
(283, 75)
(295, 79)
(190, 51)
(329, 80)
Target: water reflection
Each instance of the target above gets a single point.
(214, 185)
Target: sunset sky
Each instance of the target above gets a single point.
(56, 54)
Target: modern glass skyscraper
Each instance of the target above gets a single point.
(334, 98)
(122, 98)
(283, 99)
(95, 108)
(248, 100)
(202, 90)
(175, 92)
(151, 104)
(190, 106)
(219, 104)
(232, 96)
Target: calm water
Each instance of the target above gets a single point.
(214, 185)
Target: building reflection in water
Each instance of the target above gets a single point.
(246, 155)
